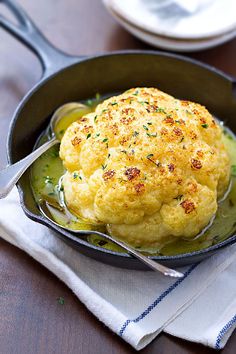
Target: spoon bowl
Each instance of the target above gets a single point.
(64, 116)
(58, 124)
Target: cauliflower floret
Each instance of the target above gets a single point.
(149, 166)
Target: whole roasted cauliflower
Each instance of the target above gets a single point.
(149, 166)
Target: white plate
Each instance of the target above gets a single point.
(172, 44)
(215, 20)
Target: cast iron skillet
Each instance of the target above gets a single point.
(66, 78)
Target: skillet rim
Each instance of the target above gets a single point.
(44, 221)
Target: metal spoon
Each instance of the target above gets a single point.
(12, 173)
(47, 209)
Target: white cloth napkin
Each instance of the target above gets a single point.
(200, 307)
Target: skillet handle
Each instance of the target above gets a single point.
(51, 58)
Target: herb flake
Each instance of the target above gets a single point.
(233, 170)
(48, 180)
(205, 125)
(75, 175)
(160, 110)
(179, 197)
(152, 135)
(61, 300)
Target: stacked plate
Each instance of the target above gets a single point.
(168, 25)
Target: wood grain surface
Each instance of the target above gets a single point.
(32, 320)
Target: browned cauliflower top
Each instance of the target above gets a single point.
(146, 164)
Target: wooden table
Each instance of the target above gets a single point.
(32, 321)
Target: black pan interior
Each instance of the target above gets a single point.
(107, 74)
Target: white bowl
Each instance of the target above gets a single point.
(167, 43)
(216, 19)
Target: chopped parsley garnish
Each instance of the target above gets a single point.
(61, 300)
(105, 140)
(149, 123)
(149, 157)
(104, 166)
(113, 103)
(97, 134)
(145, 127)
(89, 102)
(95, 118)
(152, 135)
(48, 180)
(135, 133)
(76, 175)
(225, 132)
(179, 197)
(160, 110)
(92, 102)
(97, 96)
(88, 136)
(233, 170)
(135, 93)
(55, 153)
(61, 132)
(205, 125)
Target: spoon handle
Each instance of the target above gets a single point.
(12, 173)
(46, 210)
(156, 266)
(146, 260)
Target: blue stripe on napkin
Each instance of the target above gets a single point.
(158, 300)
(222, 332)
